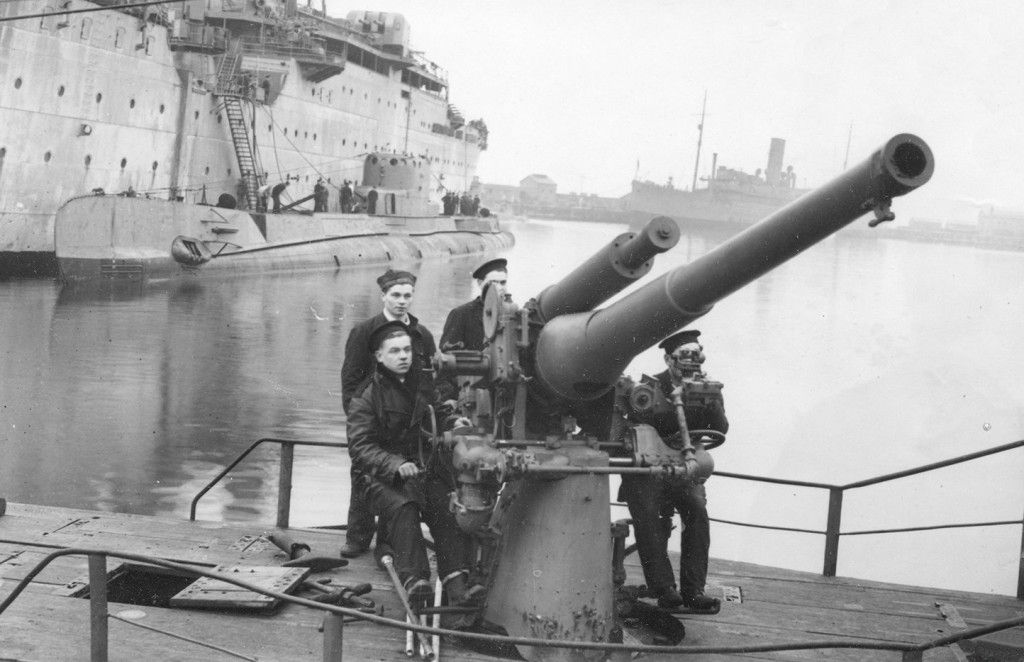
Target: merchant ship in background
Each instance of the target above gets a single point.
(731, 199)
(191, 100)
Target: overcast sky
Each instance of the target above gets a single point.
(581, 91)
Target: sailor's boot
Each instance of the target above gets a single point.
(461, 594)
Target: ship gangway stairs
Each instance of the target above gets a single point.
(235, 94)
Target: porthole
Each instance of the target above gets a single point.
(17, 83)
(47, 157)
(88, 160)
(124, 162)
(394, 161)
(131, 103)
(60, 91)
(154, 166)
(99, 97)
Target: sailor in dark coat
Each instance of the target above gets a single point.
(397, 290)
(649, 498)
(275, 194)
(371, 202)
(464, 327)
(346, 198)
(400, 476)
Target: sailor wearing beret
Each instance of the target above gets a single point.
(652, 498)
(400, 477)
(464, 327)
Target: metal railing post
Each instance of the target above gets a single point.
(334, 625)
(98, 607)
(835, 515)
(284, 484)
(1020, 564)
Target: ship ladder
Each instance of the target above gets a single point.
(248, 162)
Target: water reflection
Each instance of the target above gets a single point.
(856, 358)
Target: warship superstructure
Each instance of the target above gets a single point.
(190, 100)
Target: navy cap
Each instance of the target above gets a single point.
(499, 264)
(673, 342)
(390, 278)
(385, 330)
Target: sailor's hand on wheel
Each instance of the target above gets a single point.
(408, 470)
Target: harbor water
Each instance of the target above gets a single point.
(857, 358)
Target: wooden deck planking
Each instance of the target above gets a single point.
(778, 605)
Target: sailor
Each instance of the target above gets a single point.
(371, 202)
(346, 198)
(319, 196)
(397, 290)
(464, 327)
(275, 193)
(401, 479)
(650, 497)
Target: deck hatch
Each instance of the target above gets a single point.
(136, 584)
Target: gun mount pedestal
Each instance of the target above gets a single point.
(555, 544)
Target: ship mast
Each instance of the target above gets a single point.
(700, 139)
(846, 158)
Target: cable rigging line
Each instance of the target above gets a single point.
(64, 12)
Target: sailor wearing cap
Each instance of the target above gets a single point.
(400, 478)
(649, 498)
(397, 290)
(464, 327)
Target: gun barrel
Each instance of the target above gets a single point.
(579, 356)
(625, 260)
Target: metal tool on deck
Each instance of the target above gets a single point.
(388, 562)
(345, 596)
(300, 557)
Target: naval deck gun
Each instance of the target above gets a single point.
(533, 473)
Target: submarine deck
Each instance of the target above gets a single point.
(773, 605)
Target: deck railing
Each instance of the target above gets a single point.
(334, 620)
(832, 531)
(833, 523)
(284, 474)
